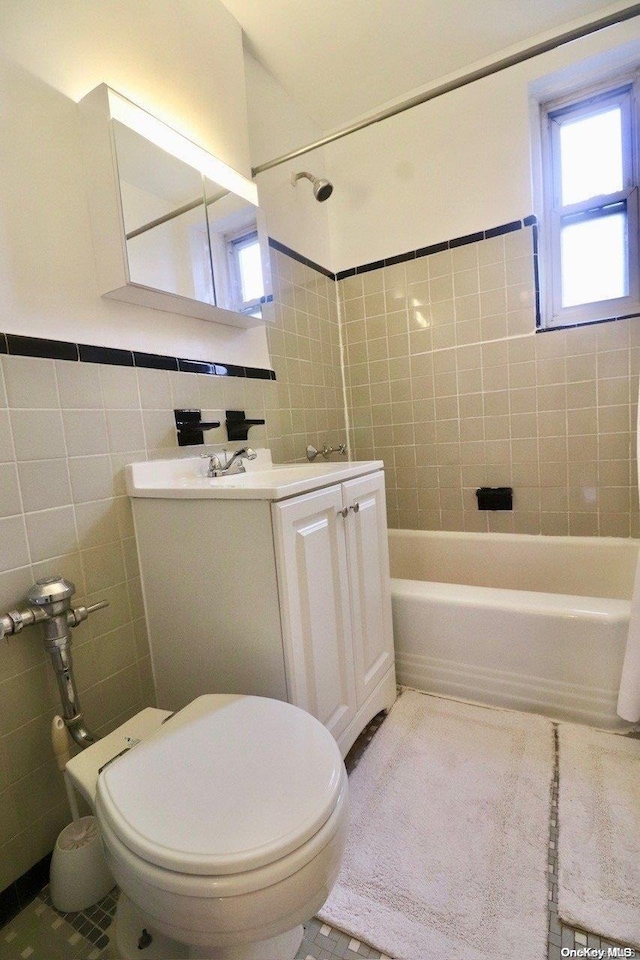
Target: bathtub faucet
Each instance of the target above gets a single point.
(326, 451)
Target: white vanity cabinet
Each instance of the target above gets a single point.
(253, 591)
(333, 576)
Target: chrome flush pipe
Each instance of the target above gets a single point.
(49, 602)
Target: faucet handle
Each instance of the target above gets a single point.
(78, 614)
(215, 467)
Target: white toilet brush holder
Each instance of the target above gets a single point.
(79, 875)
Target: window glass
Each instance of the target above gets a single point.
(591, 156)
(594, 257)
(250, 267)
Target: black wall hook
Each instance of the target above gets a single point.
(238, 425)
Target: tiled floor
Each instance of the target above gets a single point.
(41, 933)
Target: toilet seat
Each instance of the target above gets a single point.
(230, 785)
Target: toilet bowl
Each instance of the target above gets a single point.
(225, 828)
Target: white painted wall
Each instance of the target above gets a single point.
(456, 165)
(277, 125)
(186, 67)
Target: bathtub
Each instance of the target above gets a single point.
(529, 622)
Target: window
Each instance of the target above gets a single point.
(589, 268)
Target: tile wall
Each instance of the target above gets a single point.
(449, 384)
(67, 429)
(446, 382)
(304, 347)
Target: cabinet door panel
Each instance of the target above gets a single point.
(314, 602)
(368, 559)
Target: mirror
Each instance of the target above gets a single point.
(192, 239)
(164, 218)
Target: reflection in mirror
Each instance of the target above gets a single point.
(235, 251)
(164, 219)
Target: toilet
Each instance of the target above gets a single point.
(224, 830)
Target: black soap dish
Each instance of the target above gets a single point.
(495, 498)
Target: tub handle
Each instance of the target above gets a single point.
(355, 507)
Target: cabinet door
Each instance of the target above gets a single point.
(314, 605)
(368, 558)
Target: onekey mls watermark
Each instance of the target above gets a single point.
(599, 953)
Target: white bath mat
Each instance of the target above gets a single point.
(447, 851)
(599, 833)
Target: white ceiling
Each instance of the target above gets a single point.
(340, 59)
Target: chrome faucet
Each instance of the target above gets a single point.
(217, 469)
(245, 454)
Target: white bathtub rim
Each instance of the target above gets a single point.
(537, 538)
(580, 566)
(528, 601)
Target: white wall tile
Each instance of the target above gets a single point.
(10, 502)
(97, 523)
(44, 484)
(85, 432)
(119, 387)
(155, 391)
(125, 430)
(51, 533)
(13, 544)
(30, 382)
(37, 434)
(78, 385)
(91, 478)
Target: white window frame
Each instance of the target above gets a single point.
(621, 91)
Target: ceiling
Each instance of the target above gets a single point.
(340, 59)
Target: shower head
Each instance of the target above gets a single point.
(322, 189)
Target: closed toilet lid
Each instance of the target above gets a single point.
(228, 784)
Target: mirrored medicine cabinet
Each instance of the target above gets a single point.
(174, 228)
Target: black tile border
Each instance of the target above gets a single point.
(19, 346)
(38, 347)
(511, 227)
(281, 248)
(197, 366)
(109, 355)
(451, 244)
(22, 891)
(536, 279)
(506, 228)
(469, 238)
(154, 361)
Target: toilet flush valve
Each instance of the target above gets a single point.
(49, 601)
(48, 598)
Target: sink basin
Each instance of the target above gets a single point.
(186, 478)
